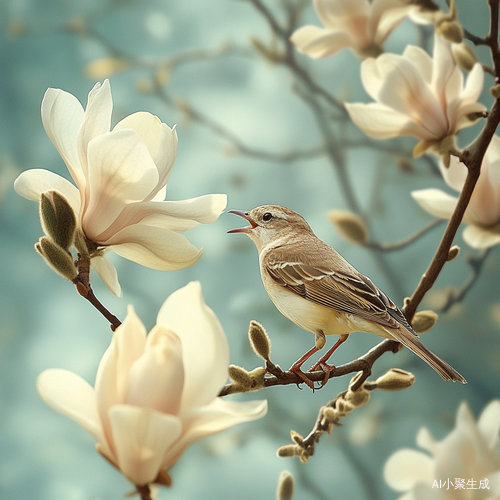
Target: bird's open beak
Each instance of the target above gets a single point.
(245, 215)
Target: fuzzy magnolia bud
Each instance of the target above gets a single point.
(357, 398)
(285, 486)
(296, 437)
(240, 376)
(424, 320)
(464, 55)
(58, 218)
(56, 257)
(257, 376)
(289, 450)
(349, 225)
(395, 380)
(453, 252)
(495, 91)
(259, 340)
(451, 30)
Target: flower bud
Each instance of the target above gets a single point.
(257, 376)
(357, 398)
(495, 91)
(58, 218)
(424, 320)
(304, 456)
(451, 30)
(453, 253)
(289, 450)
(297, 438)
(259, 340)
(163, 478)
(395, 380)
(349, 225)
(105, 67)
(56, 257)
(464, 55)
(240, 376)
(285, 486)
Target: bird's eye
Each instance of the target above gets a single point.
(267, 216)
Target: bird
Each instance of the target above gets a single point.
(312, 285)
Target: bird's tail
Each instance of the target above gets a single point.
(412, 342)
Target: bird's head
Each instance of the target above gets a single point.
(268, 223)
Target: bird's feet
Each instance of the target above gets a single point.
(325, 367)
(303, 376)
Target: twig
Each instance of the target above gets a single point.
(457, 295)
(276, 376)
(82, 283)
(388, 247)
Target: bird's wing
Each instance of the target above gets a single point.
(342, 291)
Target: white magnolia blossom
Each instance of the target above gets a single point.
(154, 394)
(120, 179)
(465, 465)
(357, 24)
(418, 95)
(482, 215)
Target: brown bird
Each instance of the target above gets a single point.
(315, 287)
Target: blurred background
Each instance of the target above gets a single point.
(248, 127)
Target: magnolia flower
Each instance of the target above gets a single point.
(154, 395)
(120, 179)
(357, 24)
(465, 465)
(418, 95)
(482, 215)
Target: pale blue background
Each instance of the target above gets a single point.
(44, 323)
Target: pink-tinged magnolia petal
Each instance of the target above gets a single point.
(380, 122)
(480, 238)
(474, 84)
(435, 202)
(407, 467)
(455, 174)
(385, 16)
(32, 183)
(489, 423)
(142, 437)
(107, 273)
(160, 140)
(177, 216)
(421, 60)
(127, 345)
(154, 247)
(67, 393)
(444, 69)
(318, 42)
(96, 121)
(62, 116)
(332, 12)
(204, 344)
(156, 379)
(219, 415)
(121, 171)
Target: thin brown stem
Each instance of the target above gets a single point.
(82, 283)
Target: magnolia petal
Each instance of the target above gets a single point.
(69, 394)
(177, 216)
(380, 122)
(127, 345)
(120, 171)
(142, 437)
(474, 84)
(318, 42)
(421, 60)
(154, 247)
(204, 345)
(160, 140)
(156, 379)
(219, 415)
(386, 16)
(107, 273)
(480, 238)
(435, 202)
(455, 174)
(489, 423)
(62, 115)
(32, 183)
(406, 467)
(333, 14)
(96, 121)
